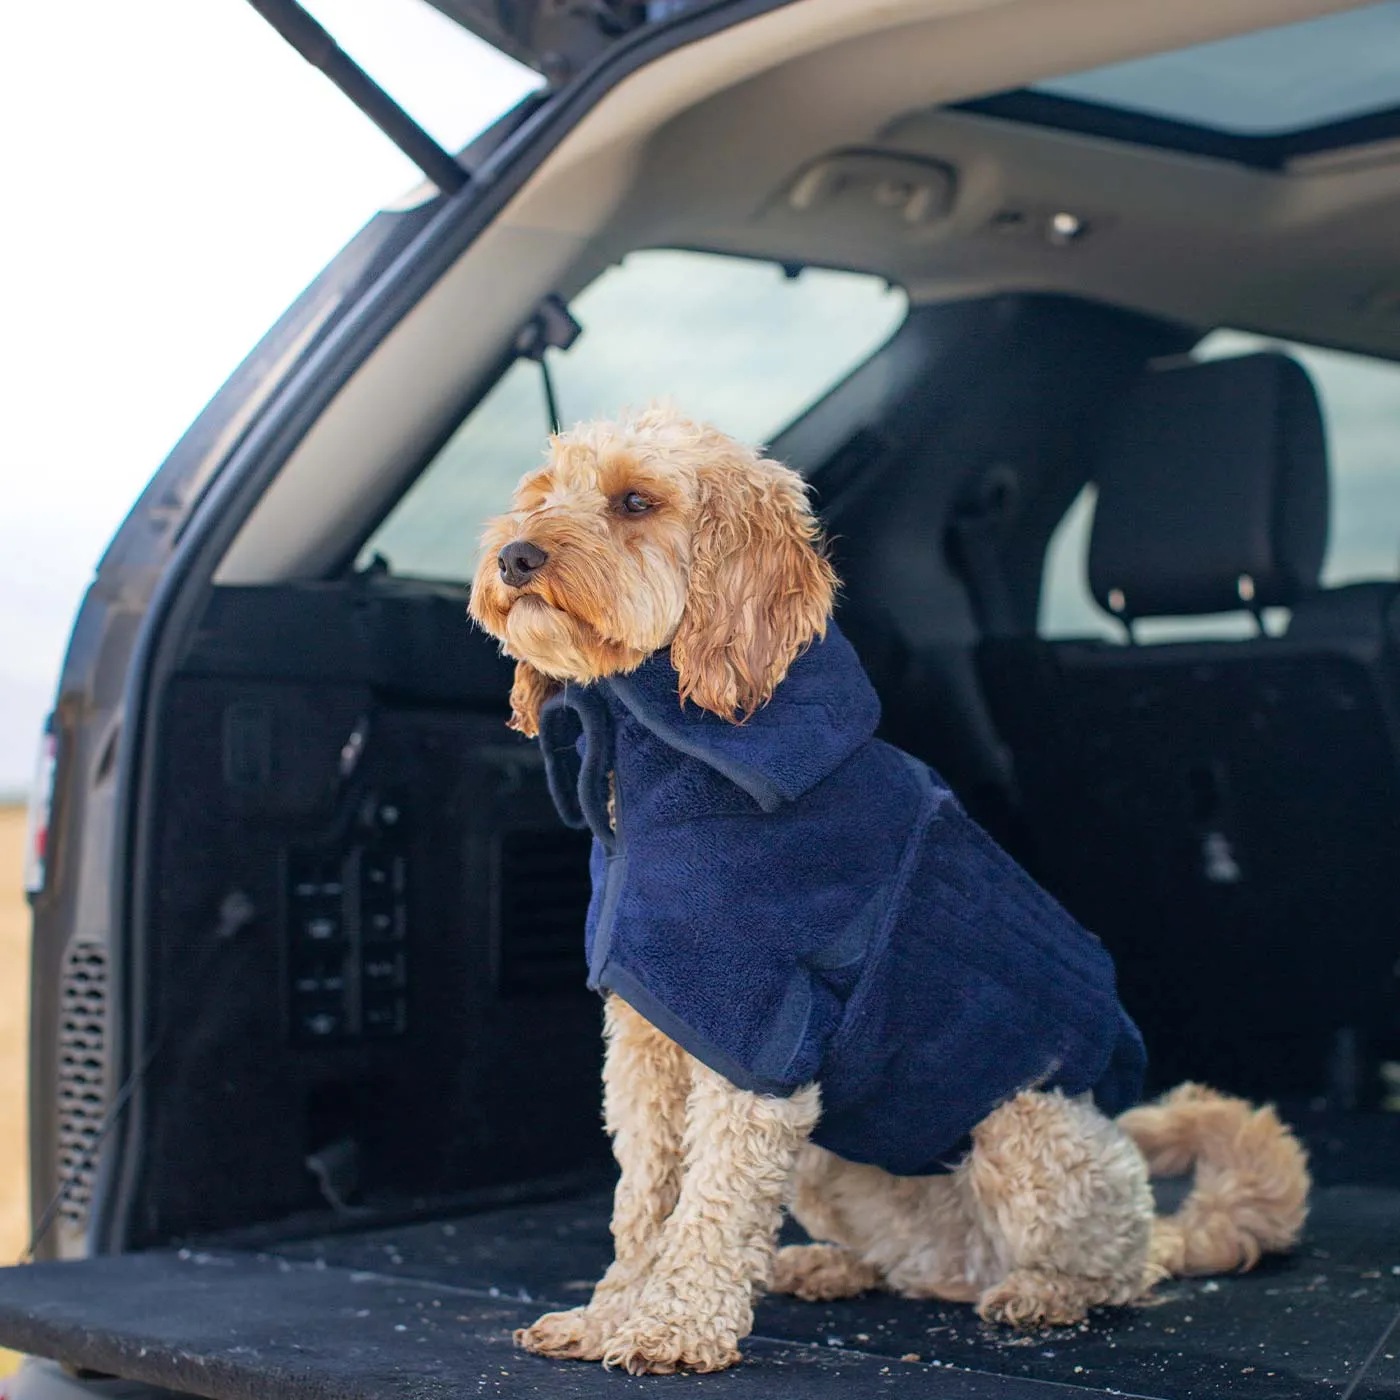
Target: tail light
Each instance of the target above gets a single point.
(36, 845)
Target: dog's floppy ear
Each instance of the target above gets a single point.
(531, 689)
(760, 586)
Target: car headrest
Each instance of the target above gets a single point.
(1212, 491)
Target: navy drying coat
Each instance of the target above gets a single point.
(792, 900)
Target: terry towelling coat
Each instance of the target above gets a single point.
(791, 900)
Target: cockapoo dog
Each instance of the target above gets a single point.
(826, 988)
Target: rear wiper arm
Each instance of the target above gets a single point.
(317, 47)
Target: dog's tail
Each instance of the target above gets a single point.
(1250, 1192)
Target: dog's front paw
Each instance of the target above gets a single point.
(576, 1335)
(821, 1273)
(1037, 1298)
(653, 1347)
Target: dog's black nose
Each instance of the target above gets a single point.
(519, 561)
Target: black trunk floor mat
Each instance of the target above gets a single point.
(427, 1310)
(247, 1327)
(1295, 1328)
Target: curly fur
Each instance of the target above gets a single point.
(705, 1170)
(1051, 1212)
(725, 567)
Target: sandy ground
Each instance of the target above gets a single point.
(14, 1019)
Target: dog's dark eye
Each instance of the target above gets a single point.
(634, 503)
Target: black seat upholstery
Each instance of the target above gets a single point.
(1225, 814)
(1212, 491)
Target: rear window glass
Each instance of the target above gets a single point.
(1361, 410)
(734, 342)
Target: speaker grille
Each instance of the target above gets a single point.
(544, 886)
(82, 1075)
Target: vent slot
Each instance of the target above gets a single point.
(543, 884)
(82, 1076)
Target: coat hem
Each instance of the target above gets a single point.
(618, 980)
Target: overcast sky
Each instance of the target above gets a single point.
(173, 176)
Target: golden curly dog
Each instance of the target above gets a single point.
(654, 532)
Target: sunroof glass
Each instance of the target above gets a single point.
(1269, 83)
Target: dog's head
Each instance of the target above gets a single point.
(649, 532)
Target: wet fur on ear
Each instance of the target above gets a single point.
(760, 590)
(530, 691)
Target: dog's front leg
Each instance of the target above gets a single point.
(646, 1079)
(717, 1247)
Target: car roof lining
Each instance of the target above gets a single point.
(1306, 254)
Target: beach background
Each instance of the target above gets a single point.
(14, 1022)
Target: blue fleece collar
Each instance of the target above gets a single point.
(824, 710)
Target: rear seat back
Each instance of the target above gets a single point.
(1225, 814)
